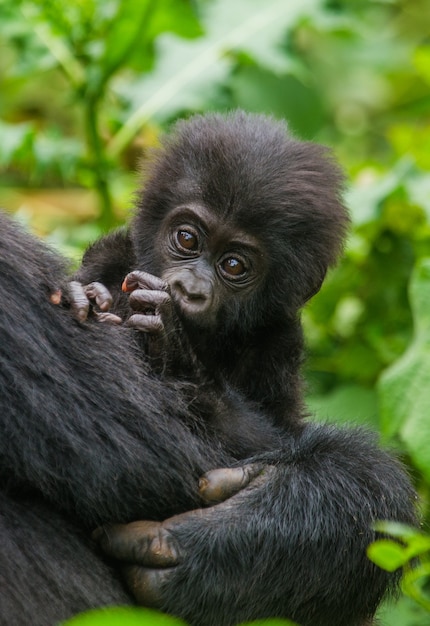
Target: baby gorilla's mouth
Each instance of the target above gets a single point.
(189, 305)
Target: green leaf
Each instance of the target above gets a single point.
(128, 27)
(387, 554)
(175, 16)
(52, 29)
(15, 139)
(125, 616)
(345, 405)
(422, 62)
(258, 89)
(365, 198)
(404, 612)
(416, 543)
(404, 387)
(396, 529)
(415, 584)
(271, 622)
(122, 616)
(187, 70)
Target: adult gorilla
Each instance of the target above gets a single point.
(89, 436)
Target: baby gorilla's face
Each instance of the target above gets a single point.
(209, 263)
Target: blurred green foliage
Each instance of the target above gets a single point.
(123, 616)
(410, 549)
(126, 616)
(87, 86)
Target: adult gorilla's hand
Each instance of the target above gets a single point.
(151, 551)
(286, 537)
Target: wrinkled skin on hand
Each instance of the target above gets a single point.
(148, 296)
(166, 343)
(93, 297)
(153, 314)
(150, 552)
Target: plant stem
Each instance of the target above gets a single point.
(232, 38)
(98, 162)
(56, 46)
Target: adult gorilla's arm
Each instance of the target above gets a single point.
(81, 421)
(297, 535)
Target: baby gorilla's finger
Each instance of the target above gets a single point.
(146, 323)
(79, 302)
(146, 584)
(220, 484)
(146, 299)
(107, 318)
(98, 292)
(143, 280)
(145, 542)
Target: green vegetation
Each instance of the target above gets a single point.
(87, 86)
(119, 616)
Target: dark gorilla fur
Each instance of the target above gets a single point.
(90, 435)
(84, 432)
(251, 175)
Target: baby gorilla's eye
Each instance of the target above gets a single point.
(233, 267)
(187, 240)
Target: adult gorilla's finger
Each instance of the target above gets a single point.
(146, 584)
(219, 484)
(145, 542)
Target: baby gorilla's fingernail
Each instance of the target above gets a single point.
(55, 297)
(82, 315)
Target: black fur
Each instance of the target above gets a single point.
(84, 430)
(251, 174)
(90, 435)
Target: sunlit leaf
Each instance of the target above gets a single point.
(119, 616)
(187, 70)
(387, 554)
(404, 387)
(422, 61)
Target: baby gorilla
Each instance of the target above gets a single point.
(234, 232)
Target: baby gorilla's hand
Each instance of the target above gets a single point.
(149, 296)
(166, 343)
(94, 297)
